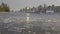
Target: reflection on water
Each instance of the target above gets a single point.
(15, 23)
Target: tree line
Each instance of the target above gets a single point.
(56, 9)
(4, 7)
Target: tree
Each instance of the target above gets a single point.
(45, 6)
(49, 7)
(33, 8)
(53, 7)
(4, 7)
(40, 8)
(57, 9)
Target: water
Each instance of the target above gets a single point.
(16, 21)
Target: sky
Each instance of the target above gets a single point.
(19, 4)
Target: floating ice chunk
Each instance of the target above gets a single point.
(22, 28)
(34, 32)
(29, 31)
(49, 20)
(54, 21)
(27, 19)
(47, 32)
(6, 20)
(13, 19)
(28, 14)
(44, 23)
(53, 28)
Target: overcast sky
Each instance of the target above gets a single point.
(18, 4)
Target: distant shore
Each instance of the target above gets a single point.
(4, 12)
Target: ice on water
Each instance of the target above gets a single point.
(47, 20)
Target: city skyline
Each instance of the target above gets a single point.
(19, 4)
